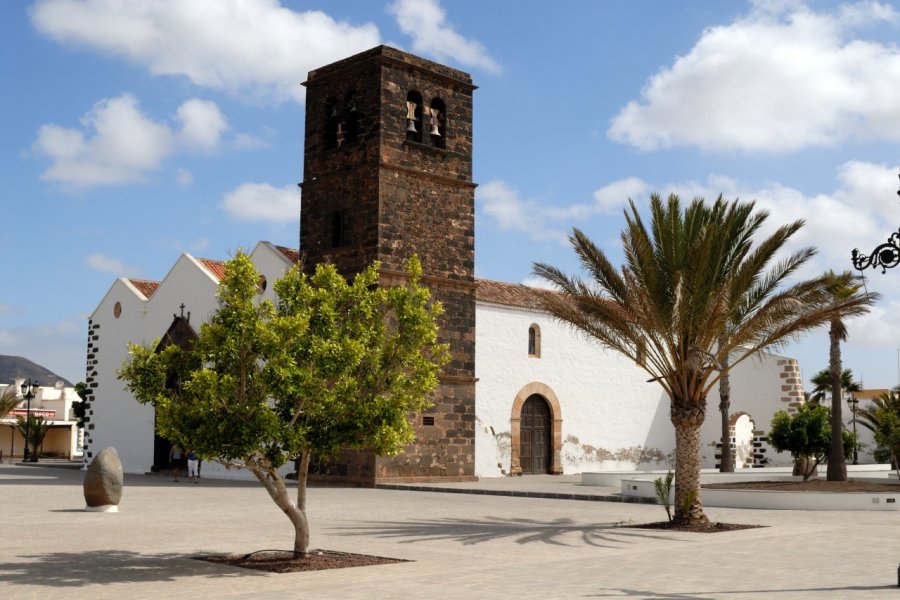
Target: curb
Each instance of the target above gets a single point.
(518, 494)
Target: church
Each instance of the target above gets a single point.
(388, 173)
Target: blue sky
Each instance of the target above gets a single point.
(134, 131)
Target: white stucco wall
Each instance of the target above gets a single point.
(756, 390)
(610, 414)
(116, 419)
(612, 418)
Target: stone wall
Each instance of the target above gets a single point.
(373, 191)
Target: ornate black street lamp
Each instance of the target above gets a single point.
(853, 403)
(886, 256)
(29, 391)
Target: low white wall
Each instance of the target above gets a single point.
(642, 485)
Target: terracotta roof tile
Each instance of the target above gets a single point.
(147, 288)
(509, 294)
(216, 267)
(290, 253)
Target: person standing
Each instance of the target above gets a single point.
(192, 464)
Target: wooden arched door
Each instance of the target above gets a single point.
(534, 449)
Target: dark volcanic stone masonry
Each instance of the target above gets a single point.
(373, 189)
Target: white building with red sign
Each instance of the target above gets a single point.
(54, 404)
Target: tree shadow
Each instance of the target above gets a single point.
(522, 531)
(76, 569)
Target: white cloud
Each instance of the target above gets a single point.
(119, 144)
(837, 220)
(499, 201)
(263, 202)
(426, 22)
(614, 196)
(202, 125)
(781, 79)
(250, 46)
(6, 309)
(107, 264)
(511, 212)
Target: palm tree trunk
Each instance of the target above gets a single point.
(688, 504)
(837, 464)
(726, 464)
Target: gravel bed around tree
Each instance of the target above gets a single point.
(284, 561)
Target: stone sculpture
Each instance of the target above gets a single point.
(103, 482)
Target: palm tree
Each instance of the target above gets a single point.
(842, 287)
(822, 384)
(8, 400)
(34, 430)
(868, 416)
(694, 275)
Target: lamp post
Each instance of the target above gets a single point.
(853, 403)
(29, 389)
(886, 256)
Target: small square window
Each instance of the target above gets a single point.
(428, 421)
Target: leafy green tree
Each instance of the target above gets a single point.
(36, 429)
(806, 436)
(887, 434)
(694, 298)
(79, 407)
(842, 287)
(334, 365)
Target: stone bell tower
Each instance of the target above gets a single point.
(387, 173)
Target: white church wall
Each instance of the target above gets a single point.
(760, 386)
(611, 417)
(116, 419)
(271, 264)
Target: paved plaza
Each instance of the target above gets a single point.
(461, 545)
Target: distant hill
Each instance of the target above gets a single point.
(17, 366)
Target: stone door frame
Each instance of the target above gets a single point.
(543, 390)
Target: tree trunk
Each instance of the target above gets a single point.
(837, 464)
(274, 483)
(726, 464)
(688, 504)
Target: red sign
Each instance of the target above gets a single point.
(38, 412)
